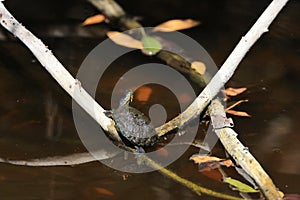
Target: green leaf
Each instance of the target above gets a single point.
(151, 45)
(242, 187)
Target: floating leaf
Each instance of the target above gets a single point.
(143, 93)
(185, 98)
(162, 152)
(104, 191)
(213, 174)
(238, 185)
(151, 46)
(199, 67)
(202, 159)
(96, 19)
(124, 40)
(234, 91)
(238, 113)
(208, 166)
(176, 24)
(227, 163)
(289, 196)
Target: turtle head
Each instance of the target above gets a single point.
(127, 98)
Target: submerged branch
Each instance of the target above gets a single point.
(69, 160)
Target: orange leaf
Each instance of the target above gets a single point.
(202, 159)
(162, 152)
(234, 91)
(104, 191)
(176, 24)
(124, 40)
(213, 174)
(238, 113)
(199, 67)
(96, 19)
(185, 98)
(143, 94)
(227, 163)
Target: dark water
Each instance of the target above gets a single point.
(270, 71)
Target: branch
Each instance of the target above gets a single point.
(56, 69)
(74, 89)
(225, 72)
(241, 154)
(227, 69)
(69, 160)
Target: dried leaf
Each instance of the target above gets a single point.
(143, 94)
(289, 196)
(104, 191)
(213, 174)
(238, 185)
(199, 67)
(238, 113)
(176, 24)
(227, 163)
(162, 152)
(202, 159)
(208, 166)
(96, 19)
(185, 98)
(234, 91)
(124, 40)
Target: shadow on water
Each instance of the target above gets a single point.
(30, 98)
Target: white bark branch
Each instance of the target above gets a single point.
(241, 154)
(68, 160)
(56, 69)
(73, 87)
(227, 69)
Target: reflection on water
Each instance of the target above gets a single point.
(270, 71)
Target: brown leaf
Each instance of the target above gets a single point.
(185, 98)
(176, 24)
(291, 196)
(208, 166)
(104, 191)
(199, 67)
(238, 113)
(213, 174)
(96, 19)
(162, 152)
(143, 93)
(124, 40)
(202, 159)
(234, 91)
(227, 163)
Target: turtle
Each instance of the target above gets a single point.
(132, 124)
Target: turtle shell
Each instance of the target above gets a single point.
(134, 126)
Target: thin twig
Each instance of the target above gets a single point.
(236, 103)
(194, 187)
